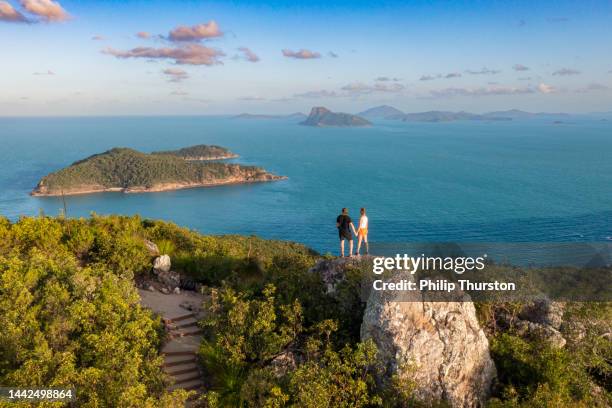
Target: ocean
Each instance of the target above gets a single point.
(470, 181)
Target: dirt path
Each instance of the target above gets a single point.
(180, 350)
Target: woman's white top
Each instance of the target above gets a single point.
(363, 221)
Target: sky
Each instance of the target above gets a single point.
(183, 57)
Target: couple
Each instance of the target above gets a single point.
(345, 225)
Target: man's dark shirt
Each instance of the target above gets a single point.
(344, 223)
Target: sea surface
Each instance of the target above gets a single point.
(516, 181)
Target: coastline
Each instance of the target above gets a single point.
(160, 187)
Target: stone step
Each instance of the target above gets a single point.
(183, 333)
(178, 353)
(179, 318)
(187, 377)
(182, 324)
(190, 385)
(179, 362)
(182, 369)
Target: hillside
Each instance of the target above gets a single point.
(281, 327)
(380, 112)
(201, 152)
(322, 117)
(127, 170)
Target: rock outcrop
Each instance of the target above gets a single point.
(322, 117)
(162, 264)
(438, 345)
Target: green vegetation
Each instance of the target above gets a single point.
(69, 316)
(200, 152)
(129, 170)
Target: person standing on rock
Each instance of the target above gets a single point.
(345, 226)
(362, 232)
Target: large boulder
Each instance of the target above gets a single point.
(162, 264)
(438, 345)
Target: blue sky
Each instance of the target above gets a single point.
(85, 57)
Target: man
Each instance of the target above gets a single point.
(345, 225)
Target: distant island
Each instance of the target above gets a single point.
(323, 117)
(130, 171)
(380, 112)
(293, 116)
(390, 113)
(201, 152)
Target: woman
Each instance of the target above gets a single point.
(362, 232)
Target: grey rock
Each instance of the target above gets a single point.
(545, 312)
(150, 288)
(151, 247)
(165, 290)
(177, 291)
(438, 345)
(170, 278)
(162, 264)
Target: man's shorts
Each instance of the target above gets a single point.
(345, 235)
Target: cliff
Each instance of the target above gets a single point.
(323, 117)
(129, 171)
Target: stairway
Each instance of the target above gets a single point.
(180, 352)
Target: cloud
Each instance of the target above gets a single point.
(179, 93)
(48, 72)
(196, 33)
(9, 14)
(249, 55)
(97, 38)
(47, 10)
(317, 94)
(524, 79)
(143, 34)
(546, 89)
(428, 77)
(358, 88)
(520, 67)
(191, 54)
(385, 79)
(332, 54)
(593, 87)
(481, 91)
(566, 72)
(557, 20)
(252, 98)
(483, 71)
(452, 75)
(175, 74)
(301, 54)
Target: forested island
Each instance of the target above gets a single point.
(323, 117)
(130, 171)
(201, 152)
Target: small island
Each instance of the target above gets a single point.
(323, 117)
(130, 171)
(201, 153)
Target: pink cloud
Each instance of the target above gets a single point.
(97, 38)
(175, 74)
(301, 54)
(9, 14)
(192, 54)
(249, 55)
(195, 33)
(546, 89)
(47, 10)
(143, 34)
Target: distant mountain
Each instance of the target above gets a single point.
(442, 116)
(519, 114)
(293, 116)
(380, 112)
(322, 117)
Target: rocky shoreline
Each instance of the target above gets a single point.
(40, 191)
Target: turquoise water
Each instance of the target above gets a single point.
(463, 181)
